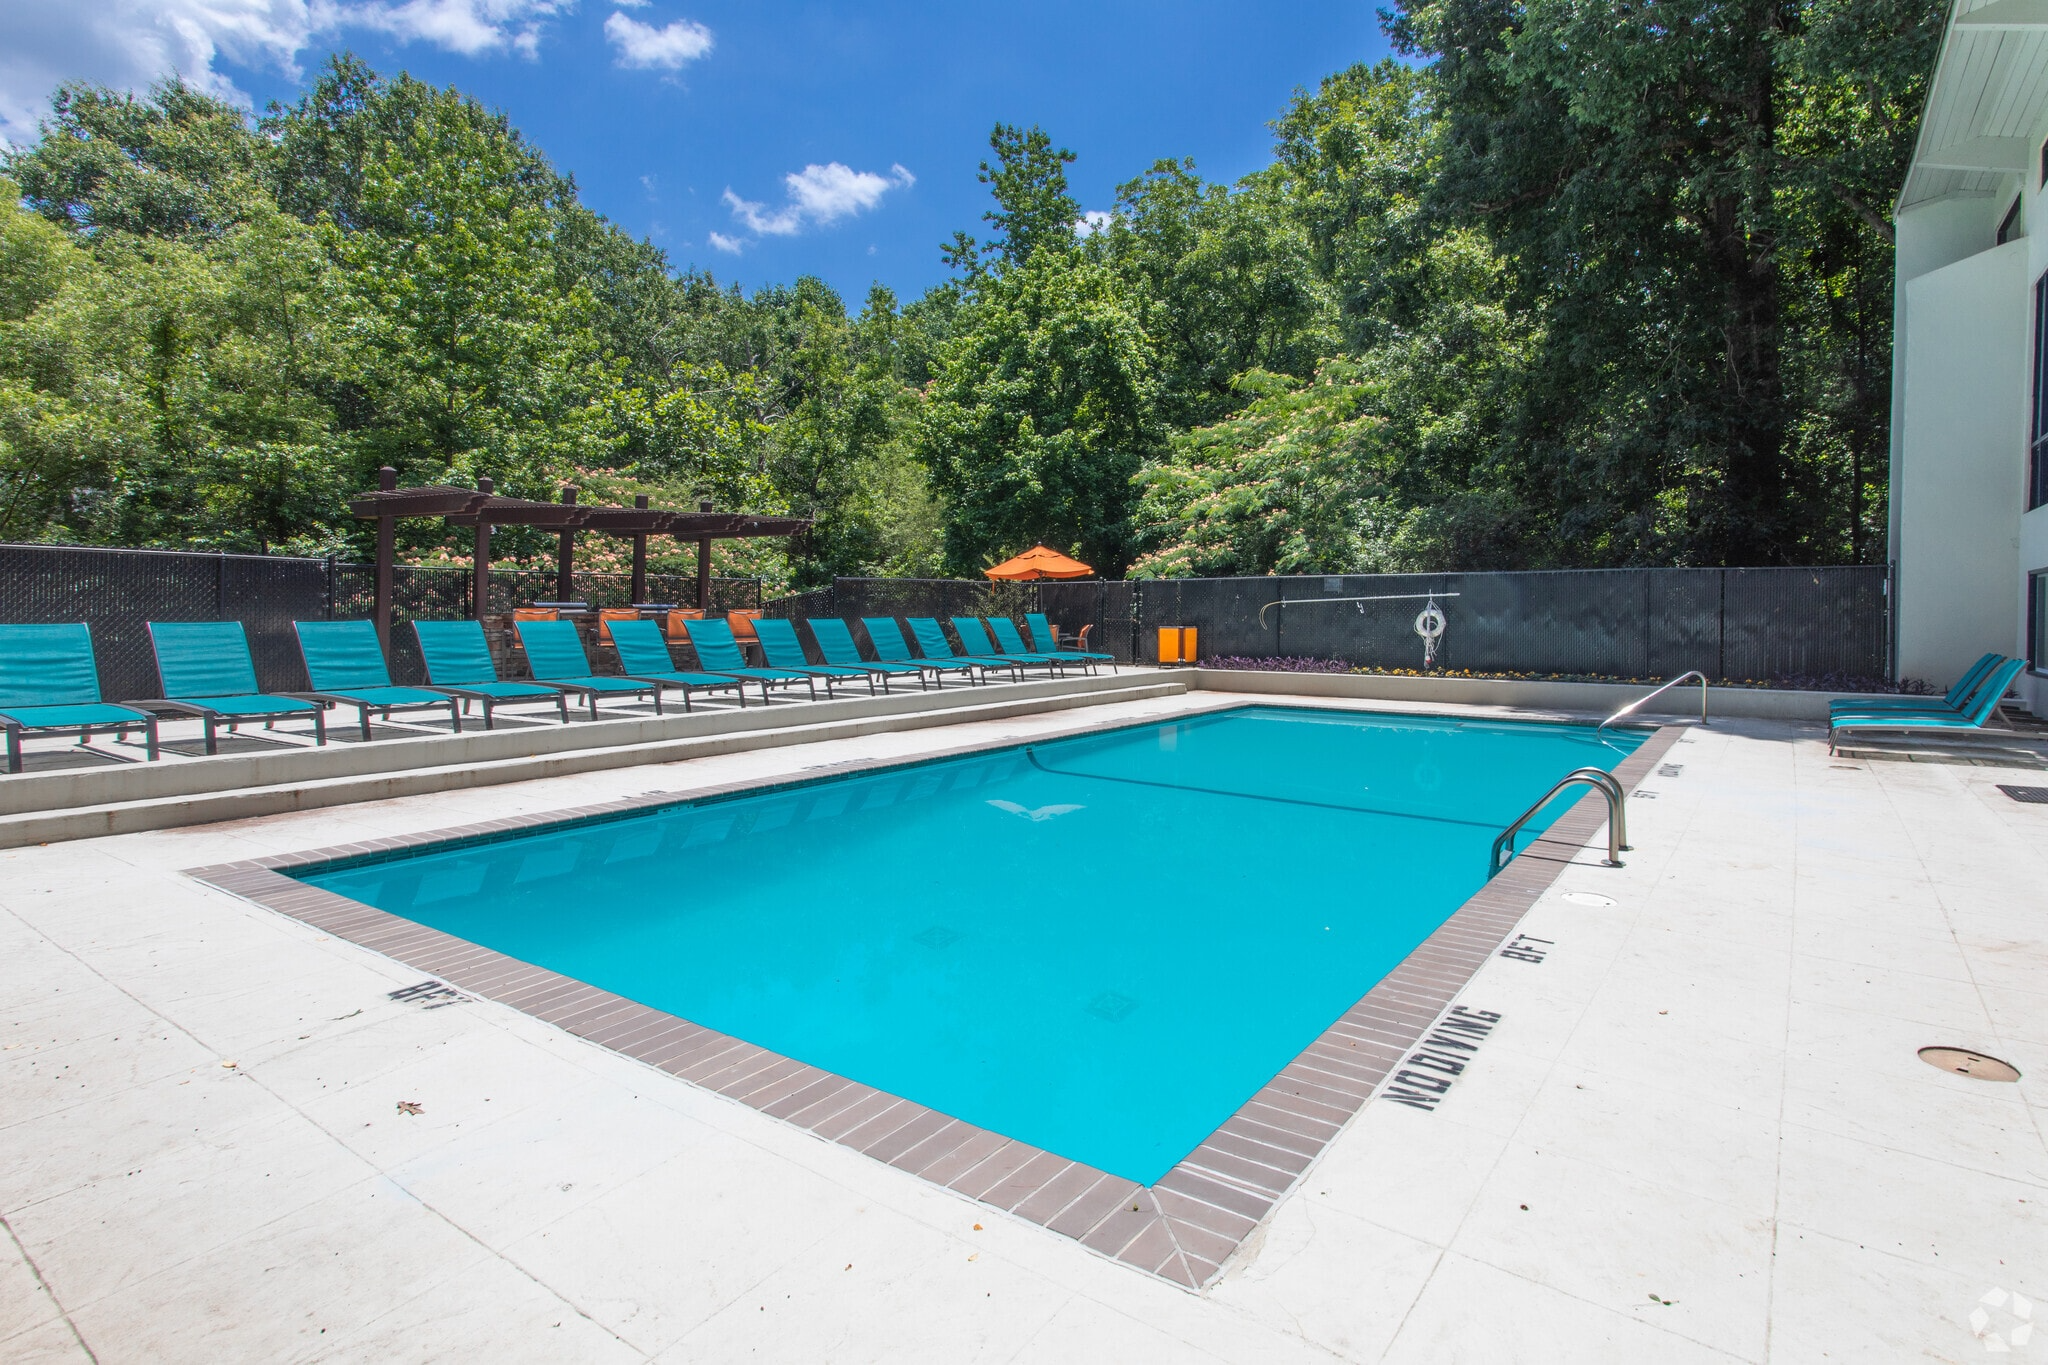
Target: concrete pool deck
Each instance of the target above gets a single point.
(1698, 1130)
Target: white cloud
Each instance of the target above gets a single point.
(131, 44)
(721, 242)
(470, 27)
(643, 46)
(818, 194)
(1092, 222)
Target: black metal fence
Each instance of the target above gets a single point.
(1729, 623)
(1640, 623)
(117, 592)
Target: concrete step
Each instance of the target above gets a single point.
(483, 759)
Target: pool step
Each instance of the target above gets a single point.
(482, 759)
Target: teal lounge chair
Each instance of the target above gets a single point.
(1048, 641)
(718, 652)
(975, 630)
(345, 665)
(931, 638)
(890, 647)
(1984, 705)
(1955, 701)
(554, 651)
(49, 680)
(207, 672)
(459, 663)
(1010, 641)
(835, 642)
(644, 657)
(783, 650)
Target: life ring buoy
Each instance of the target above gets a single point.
(1429, 624)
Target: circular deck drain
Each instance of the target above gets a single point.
(1588, 898)
(1964, 1062)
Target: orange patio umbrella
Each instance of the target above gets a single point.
(1038, 562)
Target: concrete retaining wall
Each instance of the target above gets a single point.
(148, 781)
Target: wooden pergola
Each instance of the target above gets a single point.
(482, 508)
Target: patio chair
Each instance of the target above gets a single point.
(207, 672)
(1049, 641)
(890, 647)
(554, 651)
(975, 630)
(1983, 707)
(718, 652)
(459, 663)
(781, 648)
(49, 680)
(1010, 641)
(835, 642)
(345, 665)
(1954, 701)
(931, 638)
(644, 657)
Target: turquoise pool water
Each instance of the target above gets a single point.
(1100, 945)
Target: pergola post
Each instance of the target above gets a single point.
(704, 566)
(480, 561)
(387, 481)
(565, 553)
(639, 558)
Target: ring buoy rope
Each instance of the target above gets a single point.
(1429, 624)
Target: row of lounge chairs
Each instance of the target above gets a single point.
(49, 679)
(1969, 705)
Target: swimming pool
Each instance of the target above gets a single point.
(1100, 946)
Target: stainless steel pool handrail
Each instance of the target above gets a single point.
(1617, 819)
(1639, 701)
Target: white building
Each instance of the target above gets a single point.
(1969, 454)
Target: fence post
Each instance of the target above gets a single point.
(1721, 631)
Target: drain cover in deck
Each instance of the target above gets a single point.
(2033, 796)
(1964, 1062)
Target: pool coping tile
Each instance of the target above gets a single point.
(1182, 1229)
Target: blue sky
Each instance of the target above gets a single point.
(694, 124)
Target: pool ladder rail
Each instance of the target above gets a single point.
(1686, 676)
(1617, 818)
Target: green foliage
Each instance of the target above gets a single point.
(1581, 285)
(178, 164)
(1040, 415)
(471, 358)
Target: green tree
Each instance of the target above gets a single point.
(163, 392)
(1223, 284)
(471, 358)
(1040, 414)
(176, 164)
(1033, 207)
(1387, 461)
(1663, 181)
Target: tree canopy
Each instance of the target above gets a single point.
(1569, 285)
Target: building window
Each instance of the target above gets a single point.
(2008, 228)
(2037, 458)
(2037, 622)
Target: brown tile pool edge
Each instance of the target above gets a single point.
(1183, 1229)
